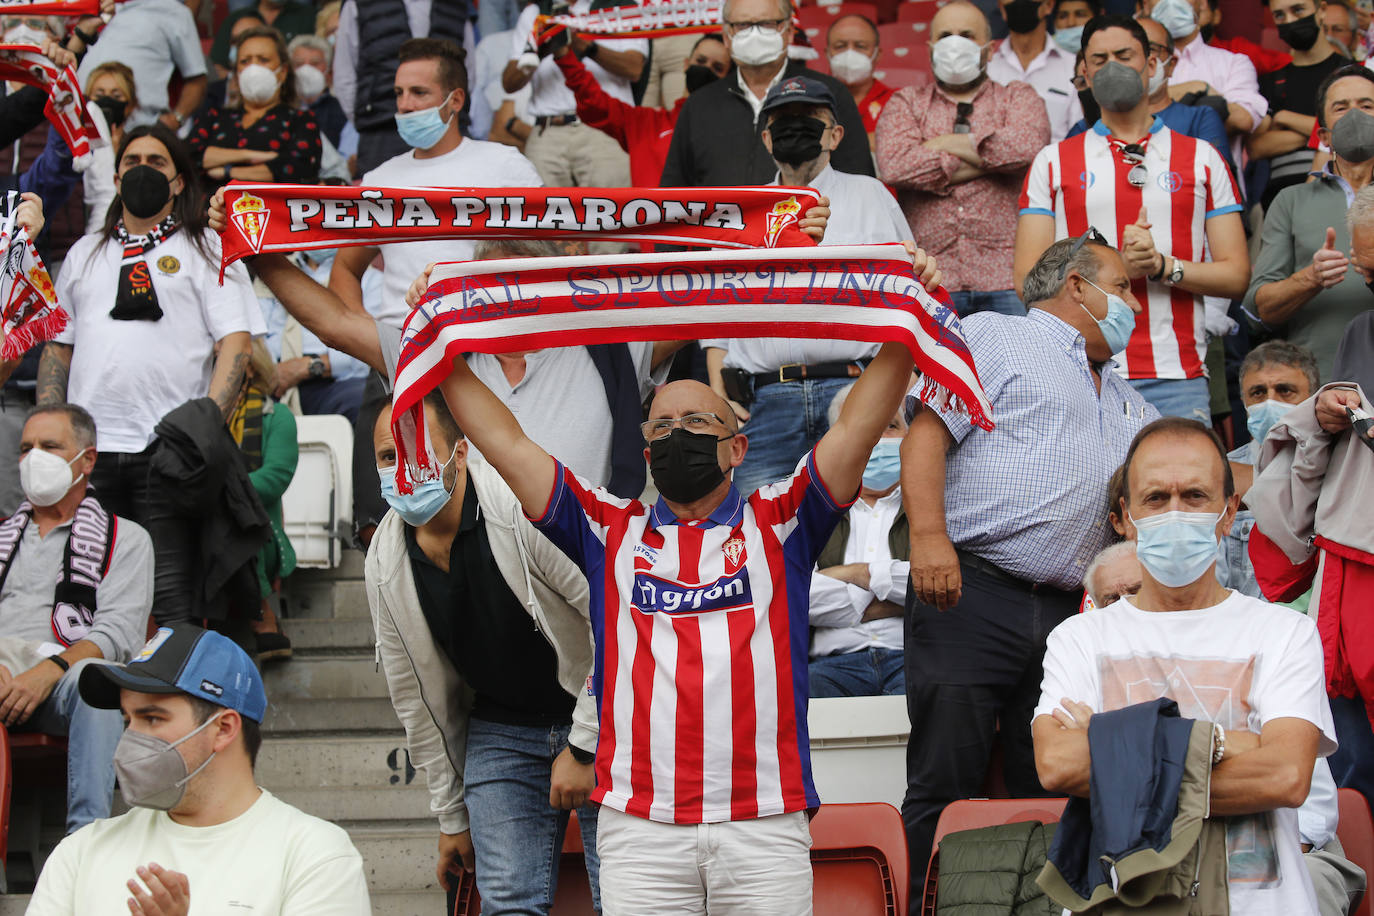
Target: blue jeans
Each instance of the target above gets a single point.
(1178, 397)
(92, 735)
(866, 673)
(1352, 765)
(517, 836)
(786, 421)
(968, 301)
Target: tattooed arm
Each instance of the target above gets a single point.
(54, 366)
(230, 366)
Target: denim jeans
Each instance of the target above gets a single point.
(91, 738)
(968, 301)
(123, 484)
(786, 421)
(865, 673)
(516, 835)
(1178, 397)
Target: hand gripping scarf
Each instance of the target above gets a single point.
(66, 108)
(29, 312)
(284, 217)
(863, 292)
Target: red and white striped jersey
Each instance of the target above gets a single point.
(701, 632)
(1082, 182)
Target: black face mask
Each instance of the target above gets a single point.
(1301, 34)
(1022, 15)
(796, 139)
(699, 75)
(684, 465)
(1092, 112)
(113, 109)
(1207, 31)
(144, 191)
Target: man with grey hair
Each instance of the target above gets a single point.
(76, 586)
(716, 140)
(1064, 422)
(1113, 573)
(312, 60)
(1341, 27)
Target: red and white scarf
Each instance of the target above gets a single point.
(290, 217)
(863, 293)
(81, 8)
(66, 108)
(648, 19)
(27, 297)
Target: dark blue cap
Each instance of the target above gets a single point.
(799, 90)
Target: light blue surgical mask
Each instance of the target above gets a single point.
(1177, 17)
(1177, 548)
(425, 498)
(884, 465)
(1070, 39)
(424, 128)
(1119, 324)
(1261, 417)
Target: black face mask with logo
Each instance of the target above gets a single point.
(684, 465)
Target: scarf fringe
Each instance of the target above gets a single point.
(44, 327)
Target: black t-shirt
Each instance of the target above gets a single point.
(488, 636)
(1294, 88)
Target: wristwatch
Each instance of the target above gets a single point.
(1176, 275)
(316, 367)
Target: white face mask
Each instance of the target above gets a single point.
(45, 477)
(756, 46)
(1153, 84)
(309, 83)
(257, 84)
(956, 60)
(851, 66)
(23, 35)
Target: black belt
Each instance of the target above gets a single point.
(1001, 575)
(796, 372)
(555, 120)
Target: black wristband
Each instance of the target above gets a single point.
(510, 122)
(60, 662)
(593, 49)
(89, 40)
(1159, 274)
(581, 756)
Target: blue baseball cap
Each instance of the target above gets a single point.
(182, 659)
(799, 90)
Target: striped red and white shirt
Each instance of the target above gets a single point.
(1082, 182)
(701, 645)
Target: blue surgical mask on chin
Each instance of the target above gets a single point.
(884, 465)
(1261, 417)
(1119, 324)
(424, 500)
(424, 128)
(1177, 548)
(1070, 39)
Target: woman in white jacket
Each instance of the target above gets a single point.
(496, 711)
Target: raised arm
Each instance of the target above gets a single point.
(231, 362)
(844, 449)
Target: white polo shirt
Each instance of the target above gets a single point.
(550, 95)
(129, 374)
(1050, 74)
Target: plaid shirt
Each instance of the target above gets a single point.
(1031, 496)
(969, 227)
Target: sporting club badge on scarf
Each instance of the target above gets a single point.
(66, 108)
(863, 293)
(285, 217)
(29, 302)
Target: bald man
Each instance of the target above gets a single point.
(699, 606)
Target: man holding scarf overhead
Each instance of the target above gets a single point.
(698, 600)
(151, 329)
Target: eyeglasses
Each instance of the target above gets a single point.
(1092, 235)
(1161, 51)
(774, 24)
(961, 115)
(697, 423)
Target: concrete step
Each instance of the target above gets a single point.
(350, 567)
(314, 633)
(399, 855)
(16, 904)
(371, 761)
(310, 676)
(407, 903)
(350, 716)
(356, 803)
(322, 598)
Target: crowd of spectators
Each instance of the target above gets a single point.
(1149, 232)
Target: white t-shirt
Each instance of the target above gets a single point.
(1243, 663)
(550, 95)
(472, 164)
(129, 374)
(272, 860)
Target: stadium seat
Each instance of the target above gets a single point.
(869, 10)
(970, 814)
(317, 508)
(859, 861)
(1356, 833)
(917, 11)
(41, 760)
(904, 45)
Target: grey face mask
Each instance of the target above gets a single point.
(1117, 87)
(151, 772)
(1352, 137)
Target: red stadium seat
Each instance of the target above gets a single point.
(917, 11)
(836, 10)
(901, 77)
(859, 861)
(970, 814)
(904, 45)
(41, 760)
(1356, 833)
